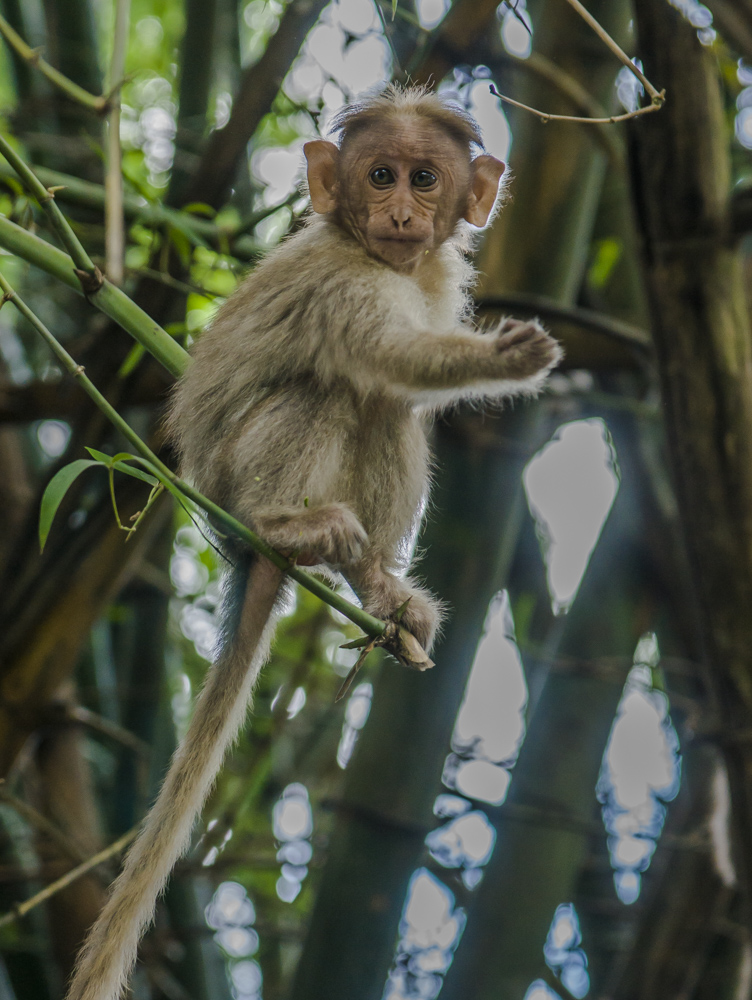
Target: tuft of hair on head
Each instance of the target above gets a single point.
(399, 103)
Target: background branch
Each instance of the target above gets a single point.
(21, 909)
(259, 86)
(36, 819)
(75, 191)
(114, 221)
(58, 79)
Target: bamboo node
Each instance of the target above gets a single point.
(91, 281)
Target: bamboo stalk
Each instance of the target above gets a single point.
(46, 198)
(113, 209)
(80, 192)
(109, 299)
(58, 79)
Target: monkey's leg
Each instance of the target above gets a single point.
(327, 533)
(383, 594)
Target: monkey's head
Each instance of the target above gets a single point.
(403, 176)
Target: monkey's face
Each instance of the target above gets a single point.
(401, 188)
(402, 191)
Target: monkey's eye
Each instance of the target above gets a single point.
(382, 177)
(423, 179)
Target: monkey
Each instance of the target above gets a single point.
(303, 415)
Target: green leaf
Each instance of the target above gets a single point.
(606, 255)
(200, 208)
(57, 487)
(110, 460)
(100, 456)
(129, 470)
(134, 356)
(183, 236)
(394, 8)
(118, 462)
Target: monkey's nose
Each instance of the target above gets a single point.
(400, 218)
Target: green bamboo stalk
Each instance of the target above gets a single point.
(55, 77)
(198, 62)
(80, 192)
(371, 626)
(109, 299)
(113, 209)
(46, 199)
(71, 35)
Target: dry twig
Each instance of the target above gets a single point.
(546, 117)
(657, 97)
(620, 54)
(98, 724)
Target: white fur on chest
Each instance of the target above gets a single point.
(434, 300)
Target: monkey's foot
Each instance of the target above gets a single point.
(525, 348)
(329, 533)
(421, 611)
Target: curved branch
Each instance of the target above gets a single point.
(621, 55)
(545, 116)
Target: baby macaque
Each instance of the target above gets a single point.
(303, 415)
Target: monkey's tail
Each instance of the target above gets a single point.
(109, 953)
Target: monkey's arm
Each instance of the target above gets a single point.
(443, 368)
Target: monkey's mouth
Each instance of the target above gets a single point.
(399, 238)
(402, 238)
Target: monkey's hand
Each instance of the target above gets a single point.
(525, 349)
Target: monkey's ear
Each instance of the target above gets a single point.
(484, 186)
(322, 174)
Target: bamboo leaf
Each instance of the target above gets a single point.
(199, 208)
(132, 359)
(57, 487)
(100, 456)
(129, 470)
(118, 462)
